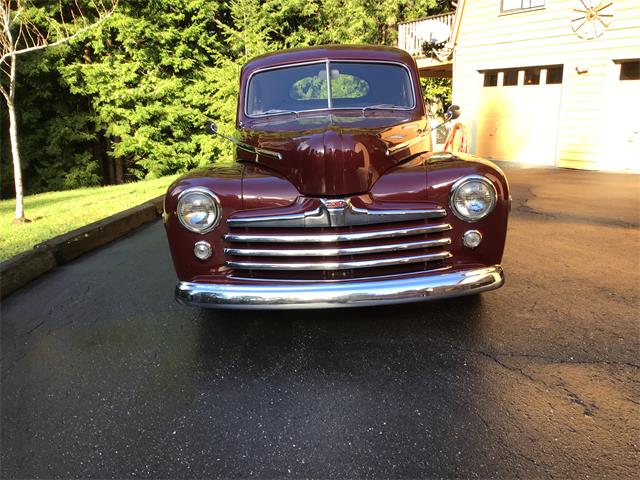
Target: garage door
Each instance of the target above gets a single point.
(518, 114)
(622, 145)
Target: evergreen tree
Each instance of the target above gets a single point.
(26, 28)
(131, 102)
(146, 76)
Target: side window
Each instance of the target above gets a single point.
(347, 86)
(310, 88)
(629, 69)
(510, 77)
(532, 76)
(554, 74)
(490, 78)
(515, 5)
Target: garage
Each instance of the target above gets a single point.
(518, 112)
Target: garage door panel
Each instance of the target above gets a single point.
(518, 123)
(623, 136)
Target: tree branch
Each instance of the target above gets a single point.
(42, 41)
(5, 94)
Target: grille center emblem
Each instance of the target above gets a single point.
(335, 204)
(337, 209)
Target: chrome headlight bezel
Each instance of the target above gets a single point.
(217, 209)
(455, 188)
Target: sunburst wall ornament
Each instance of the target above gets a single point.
(592, 18)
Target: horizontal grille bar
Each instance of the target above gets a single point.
(336, 237)
(427, 257)
(326, 216)
(325, 252)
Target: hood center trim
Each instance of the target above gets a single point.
(334, 214)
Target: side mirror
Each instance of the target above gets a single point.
(210, 127)
(453, 112)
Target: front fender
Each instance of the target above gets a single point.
(238, 187)
(226, 183)
(443, 170)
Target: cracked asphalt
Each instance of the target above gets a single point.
(103, 375)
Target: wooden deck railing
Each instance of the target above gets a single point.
(408, 39)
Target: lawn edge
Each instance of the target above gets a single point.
(21, 269)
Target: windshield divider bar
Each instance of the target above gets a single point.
(328, 68)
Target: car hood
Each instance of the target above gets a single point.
(330, 155)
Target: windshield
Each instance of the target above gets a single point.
(352, 85)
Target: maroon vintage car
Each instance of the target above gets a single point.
(335, 198)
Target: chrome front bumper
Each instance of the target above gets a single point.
(341, 294)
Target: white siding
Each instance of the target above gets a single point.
(489, 40)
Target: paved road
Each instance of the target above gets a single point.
(103, 375)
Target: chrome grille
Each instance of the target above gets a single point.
(344, 252)
(330, 252)
(339, 265)
(311, 237)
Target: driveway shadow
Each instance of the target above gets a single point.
(323, 339)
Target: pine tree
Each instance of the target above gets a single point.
(131, 101)
(148, 77)
(27, 28)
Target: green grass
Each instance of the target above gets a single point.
(55, 213)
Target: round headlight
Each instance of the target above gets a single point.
(472, 198)
(198, 210)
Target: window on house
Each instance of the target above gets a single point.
(629, 69)
(514, 5)
(510, 77)
(491, 78)
(532, 75)
(554, 74)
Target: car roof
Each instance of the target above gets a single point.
(331, 52)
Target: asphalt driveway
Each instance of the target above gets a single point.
(104, 375)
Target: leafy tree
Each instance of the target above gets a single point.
(56, 128)
(244, 28)
(437, 94)
(25, 29)
(130, 101)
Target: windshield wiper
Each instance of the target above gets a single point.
(379, 106)
(277, 111)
